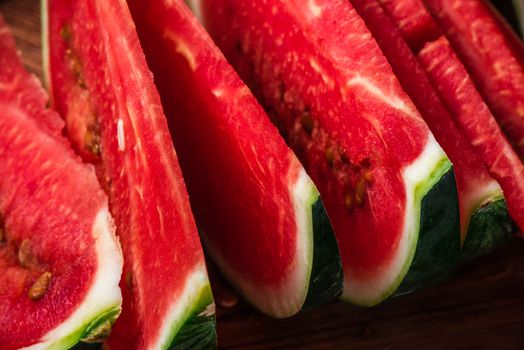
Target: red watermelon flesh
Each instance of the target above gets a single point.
(332, 94)
(493, 57)
(55, 227)
(453, 83)
(408, 21)
(95, 59)
(250, 193)
(412, 20)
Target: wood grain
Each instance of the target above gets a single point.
(481, 307)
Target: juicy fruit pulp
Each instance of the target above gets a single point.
(250, 194)
(493, 56)
(466, 107)
(333, 96)
(401, 28)
(60, 261)
(101, 84)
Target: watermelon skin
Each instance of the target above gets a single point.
(400, 27)
(263, 236)
(54, 220)
(457, 91)
(493, 56)
(96, 62)
(331, 94)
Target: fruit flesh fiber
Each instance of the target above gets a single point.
(330, 104)
(105, 70)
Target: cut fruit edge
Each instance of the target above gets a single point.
(267, 299)
(419, 178)
(93, 318)
(194, 303)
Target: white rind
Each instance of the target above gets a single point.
(286, 299)
(371, 291)
(175, 318)
(104, 293)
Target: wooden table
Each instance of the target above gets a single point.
(481, 307)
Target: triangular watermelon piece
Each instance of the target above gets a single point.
(60, 262)
(102, 86)
(261, 216)
(401, 28)
(387, 185)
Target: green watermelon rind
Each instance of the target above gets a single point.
(326, 278)
(437, 251)
(490, 228)
(109, 315)
(437, 186)
(196, 328)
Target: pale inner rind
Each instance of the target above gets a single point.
(182, 307)
(373, 290)
(103, 295)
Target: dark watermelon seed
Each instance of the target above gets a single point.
(129, 280)
(349, 201)
(307, 122)
(66, 32)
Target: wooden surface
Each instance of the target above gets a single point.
(481, 307)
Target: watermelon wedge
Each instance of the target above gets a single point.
(102, 86)
(261, 216)
(60, 261)
(387, 185)
(400, 28)
(458, 92)
(493, 56)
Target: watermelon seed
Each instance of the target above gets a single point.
(129, 279)
(92, 137)
(76, 68)
(360, 191)
(368, 176)
(66, 33)
(38, 289)
(330, 156)
(344, 158)
(349, 201)
(25, 257)
(307, 122)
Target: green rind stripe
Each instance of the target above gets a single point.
(197, 329)
(490, 227)
(327, 278)
(108, 316)
(438, 247)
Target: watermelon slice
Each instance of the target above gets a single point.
(456, 89)
(101, 84)
(60, 262)
(493, 56)
(271, 237)
(387, 185)
(482, 206)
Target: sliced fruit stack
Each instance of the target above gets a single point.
(376, 145)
